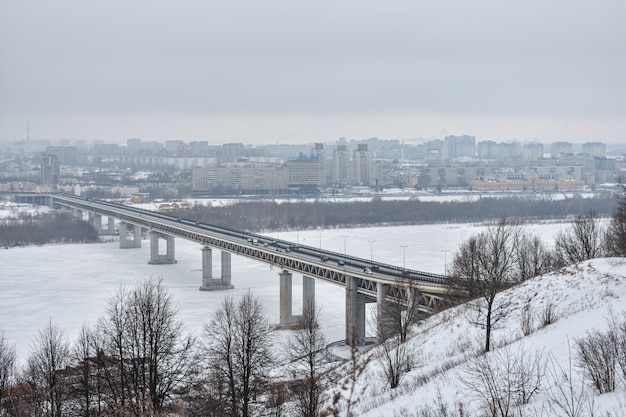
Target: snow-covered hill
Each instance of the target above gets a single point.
(584, 298)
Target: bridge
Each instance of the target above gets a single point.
(364, 280)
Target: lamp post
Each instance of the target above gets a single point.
(344, 246)
(445, 261)
(371, 250)
(404, 255)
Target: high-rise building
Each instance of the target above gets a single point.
(459, 147)
(304, 173)
(341, 165)
(320, 153)
(362, 165)
(595, 149)
(560, 148)
(50, 170)
(532, 151)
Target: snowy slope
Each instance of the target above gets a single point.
(585, 297)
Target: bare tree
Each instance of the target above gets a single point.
(399, 311)
(485, 265)
(533, 257)
(45, 369)
(238, 347)
(7, 367)
(147, 354)
(348, 396)
(305, 349)
(616, 233)
(584, 239)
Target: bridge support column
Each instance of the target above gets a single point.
(355, 312)
(287, 319)
(97, 223)
(208, 283)
(286, 316)
(308, 293)
(111, 226)
(384, 321)
(226, 270)
(155, 257)
(124, 230)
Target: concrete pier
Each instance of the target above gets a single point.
(287, 318)
(96, 221)
(384, 320)
(355, 312)
(169, 256)
(130, 236)
(208, 282)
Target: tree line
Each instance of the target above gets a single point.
(255, 216)
(38, 229)
(138, 360)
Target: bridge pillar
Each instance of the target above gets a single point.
(355, 312)
(208, 283)
(308, 292)
(384, 321)
(155, 257)
(97, 223)
(286, 316)
(124, 230)
(287, 319)
(111, 226)
(226, 270)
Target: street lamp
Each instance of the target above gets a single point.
(371, 250)
(445, 260)
(404, 255)
(344, 246)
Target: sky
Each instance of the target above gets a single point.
(281, 71)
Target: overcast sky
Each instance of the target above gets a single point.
(306, 71)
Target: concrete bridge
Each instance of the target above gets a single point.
(364, 280)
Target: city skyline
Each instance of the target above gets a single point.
(280, 72)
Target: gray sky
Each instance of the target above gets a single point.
(297, 72)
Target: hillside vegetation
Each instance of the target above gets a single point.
(535, 368)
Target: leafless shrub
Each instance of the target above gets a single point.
(396, 359)
(438, 408)
(504, 380)
(618, 328)
(565, 395)
(548, 314)
(597, 357)
(526, 318)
